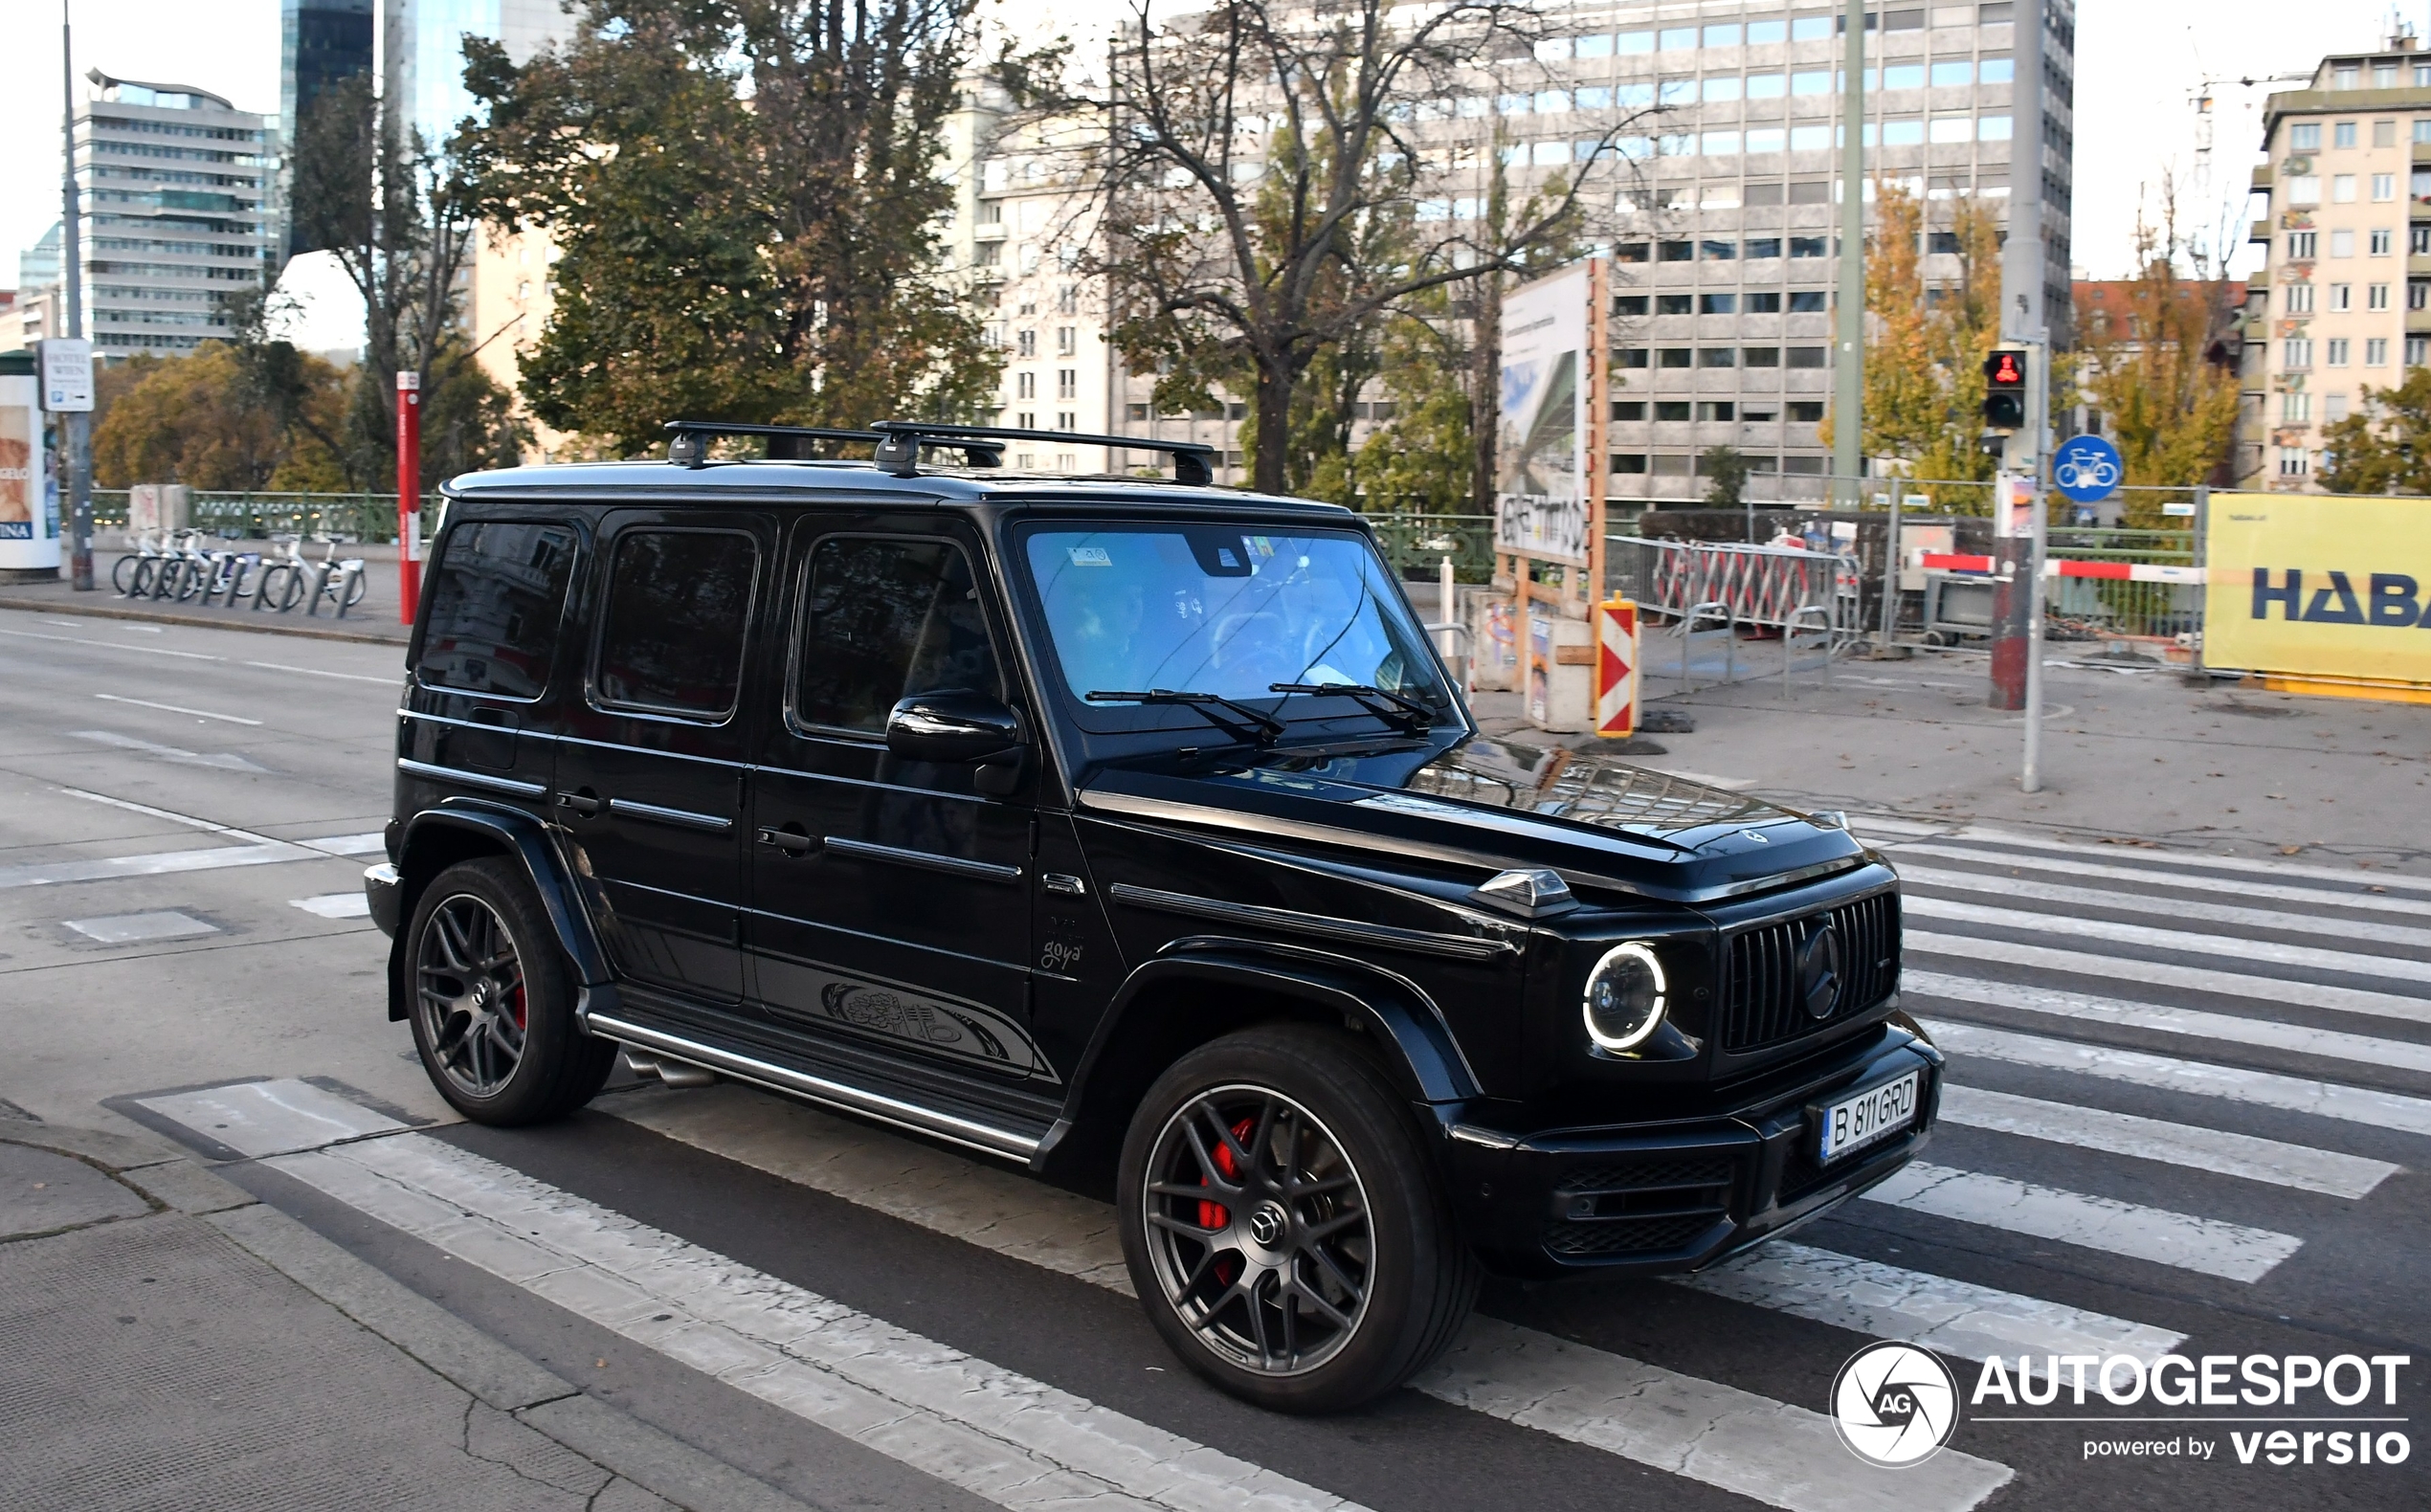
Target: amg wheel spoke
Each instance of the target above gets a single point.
(1316, 1232)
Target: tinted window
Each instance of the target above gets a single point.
(883, 620)
(494, 602)
(671, 636)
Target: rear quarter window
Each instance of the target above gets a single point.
(496, 601)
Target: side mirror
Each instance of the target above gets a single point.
(952, 724)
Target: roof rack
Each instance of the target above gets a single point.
(899, 452)
(689, 441)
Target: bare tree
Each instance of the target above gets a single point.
(1273, 176)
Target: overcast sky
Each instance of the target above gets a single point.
(2140, 64)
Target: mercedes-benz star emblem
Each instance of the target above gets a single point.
(1266, 1223)
(1819, 971)
(1894, 1405)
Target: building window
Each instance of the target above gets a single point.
(1675, 357)
(1025, 386)
(2384, 133)
(2418, 242)
(1025, 420)
(1067, 384)
(1629, 462)
(1675, 303)
(2375, 297)
(2343, 134)
(1067, 299)
(1629, 357)
(1717, 304)
(1761, 357)
(1066, 340)
(2296, 351)
(1809, 302)
(2422, 127)
(2342, 243)
(1671, 408)
(1807, 356)
(2301, 245)
(2342, 297)
(2385, 188)
(2334, 408)
(1764, 303)
(1764, 247)
(2294, 462)
(1718, 357)
(2384, 75)
(2295, 409)
(2349, 77)
(1631, 410)
(1806, 412)
(1025, 343)
(1717, 409)
(2305, 137)
(2336, 354)
(2296, 299)
(1810, 247)
(2342, 189)
(2305, 188)
(991, 212)
(2383, 241)
(2416, 291)
(2375, 351)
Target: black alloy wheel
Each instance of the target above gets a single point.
(1283, 1225)
(490, 1002)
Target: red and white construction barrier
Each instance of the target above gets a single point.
(2121, 571)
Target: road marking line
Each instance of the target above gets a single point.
(334, 906)
(2266, 1032)
(2382, 1110)
(2181, 1239)
(170, 815)
(178, 709)
(2242, 886)
(223, 761)
(271, 1117)
(2241, 1155)
(1000, 1436)
(137, 928)
(2275, 990)
(160, 863)
(1890, 1302)
(316, 671)
(2227, 947)
(1010, 1214)
(2392, 880)
(2168, 907)
(113, 645)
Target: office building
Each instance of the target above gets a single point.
(2347, 176)
(425, 51)
(175, 187)
(322, 42)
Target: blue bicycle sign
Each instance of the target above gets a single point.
(2085, 468)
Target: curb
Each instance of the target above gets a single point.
(195, 621)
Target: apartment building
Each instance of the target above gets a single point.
(175, 187)
(2346, 265)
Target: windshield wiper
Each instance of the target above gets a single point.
(1247, 725)
(1403, 712)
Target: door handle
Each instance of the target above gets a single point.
(584, 802)
(787, 839)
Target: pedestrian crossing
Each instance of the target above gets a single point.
(2056, 1136)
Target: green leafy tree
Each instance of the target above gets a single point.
(745, 194)
(2154, 370)
(1726, 474)
(1421, 459)
(2384, 446)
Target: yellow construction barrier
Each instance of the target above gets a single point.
(2320, 594)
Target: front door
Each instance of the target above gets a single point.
(651, 778)
(890, 898)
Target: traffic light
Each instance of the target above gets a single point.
(2005, 388)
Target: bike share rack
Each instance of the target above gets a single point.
(169, 573)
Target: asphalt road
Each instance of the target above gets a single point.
(2189, 1112)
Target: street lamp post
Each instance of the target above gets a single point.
(77, 425)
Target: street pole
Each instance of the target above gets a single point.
(2038, 539)
(2016, 596)
(75, 425)
(1848, 374)
(409, 494)
(1890, 571)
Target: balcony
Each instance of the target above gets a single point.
(2261, 231)
(2263, 178)
(2419, 323)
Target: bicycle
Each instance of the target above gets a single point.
(338, 581)
(132, 575)
(281, 583)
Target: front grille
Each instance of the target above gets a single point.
(1639, 1207)
(1763, 1005)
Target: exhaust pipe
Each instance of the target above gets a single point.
(679, 1074)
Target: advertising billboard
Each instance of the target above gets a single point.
(1539, 499)
(29, 498)
(2322, 586)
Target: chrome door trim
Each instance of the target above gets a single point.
(968, 1133)
(472, 779)
(681, 819)
(931, 860)
(1424, 941)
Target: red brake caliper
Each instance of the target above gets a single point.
(1214, 1214)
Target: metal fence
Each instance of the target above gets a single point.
(259, 516)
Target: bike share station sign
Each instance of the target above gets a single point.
(2086, 469)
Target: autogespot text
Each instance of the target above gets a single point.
(2309, 1391)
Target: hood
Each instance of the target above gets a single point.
(1500, 803)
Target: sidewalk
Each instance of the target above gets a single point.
(373, 620)
(172, 1344)
(2134, 752)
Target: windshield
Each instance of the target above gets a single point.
(1221, 609)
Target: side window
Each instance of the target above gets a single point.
(494, 605)
(671, 629)
(882, 620)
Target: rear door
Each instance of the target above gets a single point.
(890, 898)
(477, 717)
(651, 775)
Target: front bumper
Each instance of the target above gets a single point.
(1677, 1196)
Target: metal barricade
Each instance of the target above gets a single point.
(1784, 588)
(1687, 633)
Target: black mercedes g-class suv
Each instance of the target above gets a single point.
(1130, 830)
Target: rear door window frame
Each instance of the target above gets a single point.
(604, 599)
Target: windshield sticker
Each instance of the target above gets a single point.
(1090, 556)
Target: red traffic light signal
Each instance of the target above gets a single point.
(2005, 388)
(2005, 367)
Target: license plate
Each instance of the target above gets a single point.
(1873, 1114)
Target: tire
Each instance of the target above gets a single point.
(1378, 1277)
(491, 1005)
(122, 576)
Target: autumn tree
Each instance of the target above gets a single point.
(201, 420)
(1273, 176)
(1926, 338)
(745, 196)
(2155, 369)
(2384, 446)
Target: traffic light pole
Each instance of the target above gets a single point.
(2038, 547)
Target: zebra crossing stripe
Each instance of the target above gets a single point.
(2189, 881)
(2370, 930)
(2279, 992)
(2241, 1155)
(2184, 861)
(2228, 1250)
(2383, 1110)
(1015, 1441)
(2228, 947)
(2228, 1027)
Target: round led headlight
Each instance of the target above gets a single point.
(1624, 999)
